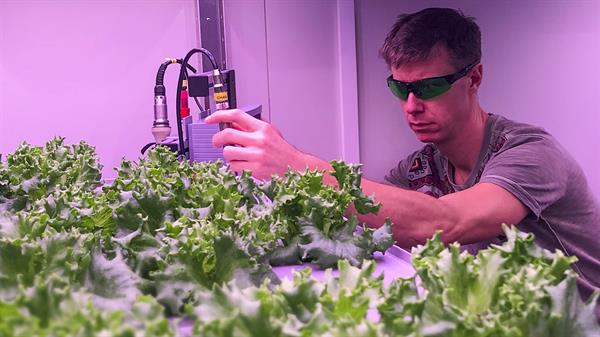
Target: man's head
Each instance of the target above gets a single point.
(434, 58)
(414, 36)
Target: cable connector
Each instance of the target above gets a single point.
(185, 109)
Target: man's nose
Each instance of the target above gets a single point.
(413, 104)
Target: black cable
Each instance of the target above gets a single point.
(187, 66)
(198, 104)
(147, 146)
(159, 88)
(182, 71)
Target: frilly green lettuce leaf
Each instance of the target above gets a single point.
(299, 307)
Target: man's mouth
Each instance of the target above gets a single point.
(420, 126)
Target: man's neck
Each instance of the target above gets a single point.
(463, 149)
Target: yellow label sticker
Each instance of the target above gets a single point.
(221, 96)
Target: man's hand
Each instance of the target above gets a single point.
(254, 145)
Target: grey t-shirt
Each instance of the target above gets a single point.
(529, 163)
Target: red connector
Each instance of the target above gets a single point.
(185, 109)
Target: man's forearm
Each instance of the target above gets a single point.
(416, 216)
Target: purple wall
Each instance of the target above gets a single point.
(541, 66)
(86, 70)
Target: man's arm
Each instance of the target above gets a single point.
(472, 215)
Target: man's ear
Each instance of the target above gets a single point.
(475, 77)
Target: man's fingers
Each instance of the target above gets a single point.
(237, 126)
(236, 153)
(239, 158)
(236, 116)
(231, 136)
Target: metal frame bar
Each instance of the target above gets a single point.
(212, 32)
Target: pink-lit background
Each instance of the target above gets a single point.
(85, 70)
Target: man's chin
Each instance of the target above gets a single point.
(426, 138)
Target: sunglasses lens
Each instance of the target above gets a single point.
(424, 89)
(398, 89)
(433, 87)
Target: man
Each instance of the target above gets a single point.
(477, 171)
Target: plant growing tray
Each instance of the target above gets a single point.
(395, 263)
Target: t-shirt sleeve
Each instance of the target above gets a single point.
(532, 169)
(398, 175)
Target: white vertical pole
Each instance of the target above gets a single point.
(350, 145)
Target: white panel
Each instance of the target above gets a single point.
(298, 58)
(302, 49)
(246, 45)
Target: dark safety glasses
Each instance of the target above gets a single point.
(428, 87)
